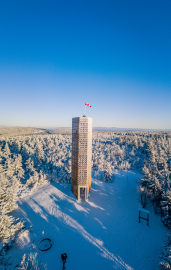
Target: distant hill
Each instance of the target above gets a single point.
(54, 128)
(16, 130)
(126, 129)
(115, 129)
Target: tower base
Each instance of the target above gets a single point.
(86, 192)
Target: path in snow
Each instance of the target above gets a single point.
(101, 234)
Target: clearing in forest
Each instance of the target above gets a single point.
(102, 234)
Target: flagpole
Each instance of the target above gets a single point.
(84, 109)
(86, 104)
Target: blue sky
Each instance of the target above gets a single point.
(57, 55)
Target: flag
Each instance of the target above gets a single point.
(88, 104)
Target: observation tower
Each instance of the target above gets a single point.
(81, 156)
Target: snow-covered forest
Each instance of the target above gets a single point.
(32, 160)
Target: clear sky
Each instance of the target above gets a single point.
(57, 55)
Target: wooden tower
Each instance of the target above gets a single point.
(81, 155)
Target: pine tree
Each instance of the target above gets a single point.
(5, 199)
(165, 258)
(30, 182)
(8, 227)
(107, 175)
(18, 167)
(9, 203)
(7, 150)
(29, 166)
(4, 258)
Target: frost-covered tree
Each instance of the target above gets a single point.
(165, 258)
(29, 166)
(107, 175)
(7, 196)
(8, 227)
(18, 167)
(28, 161)
(7, 150)
(96, 174)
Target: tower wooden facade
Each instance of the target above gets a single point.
(81, 155)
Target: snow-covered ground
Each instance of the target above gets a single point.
(102, 234)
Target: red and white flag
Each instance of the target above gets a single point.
(88, 104)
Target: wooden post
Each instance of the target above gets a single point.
(148, 215)
(86, 194)
(148, 219)
(78, 191)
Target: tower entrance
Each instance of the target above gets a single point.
(82, 193)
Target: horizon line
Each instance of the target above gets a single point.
(102, 128)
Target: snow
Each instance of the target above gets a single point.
(23, 239)
(103, 233)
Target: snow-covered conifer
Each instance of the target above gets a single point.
(165, 261)
(107, 175)
(7, 150)
(8, 228)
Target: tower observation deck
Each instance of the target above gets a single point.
(81, 155)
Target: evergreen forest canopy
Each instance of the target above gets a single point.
(31, 160)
